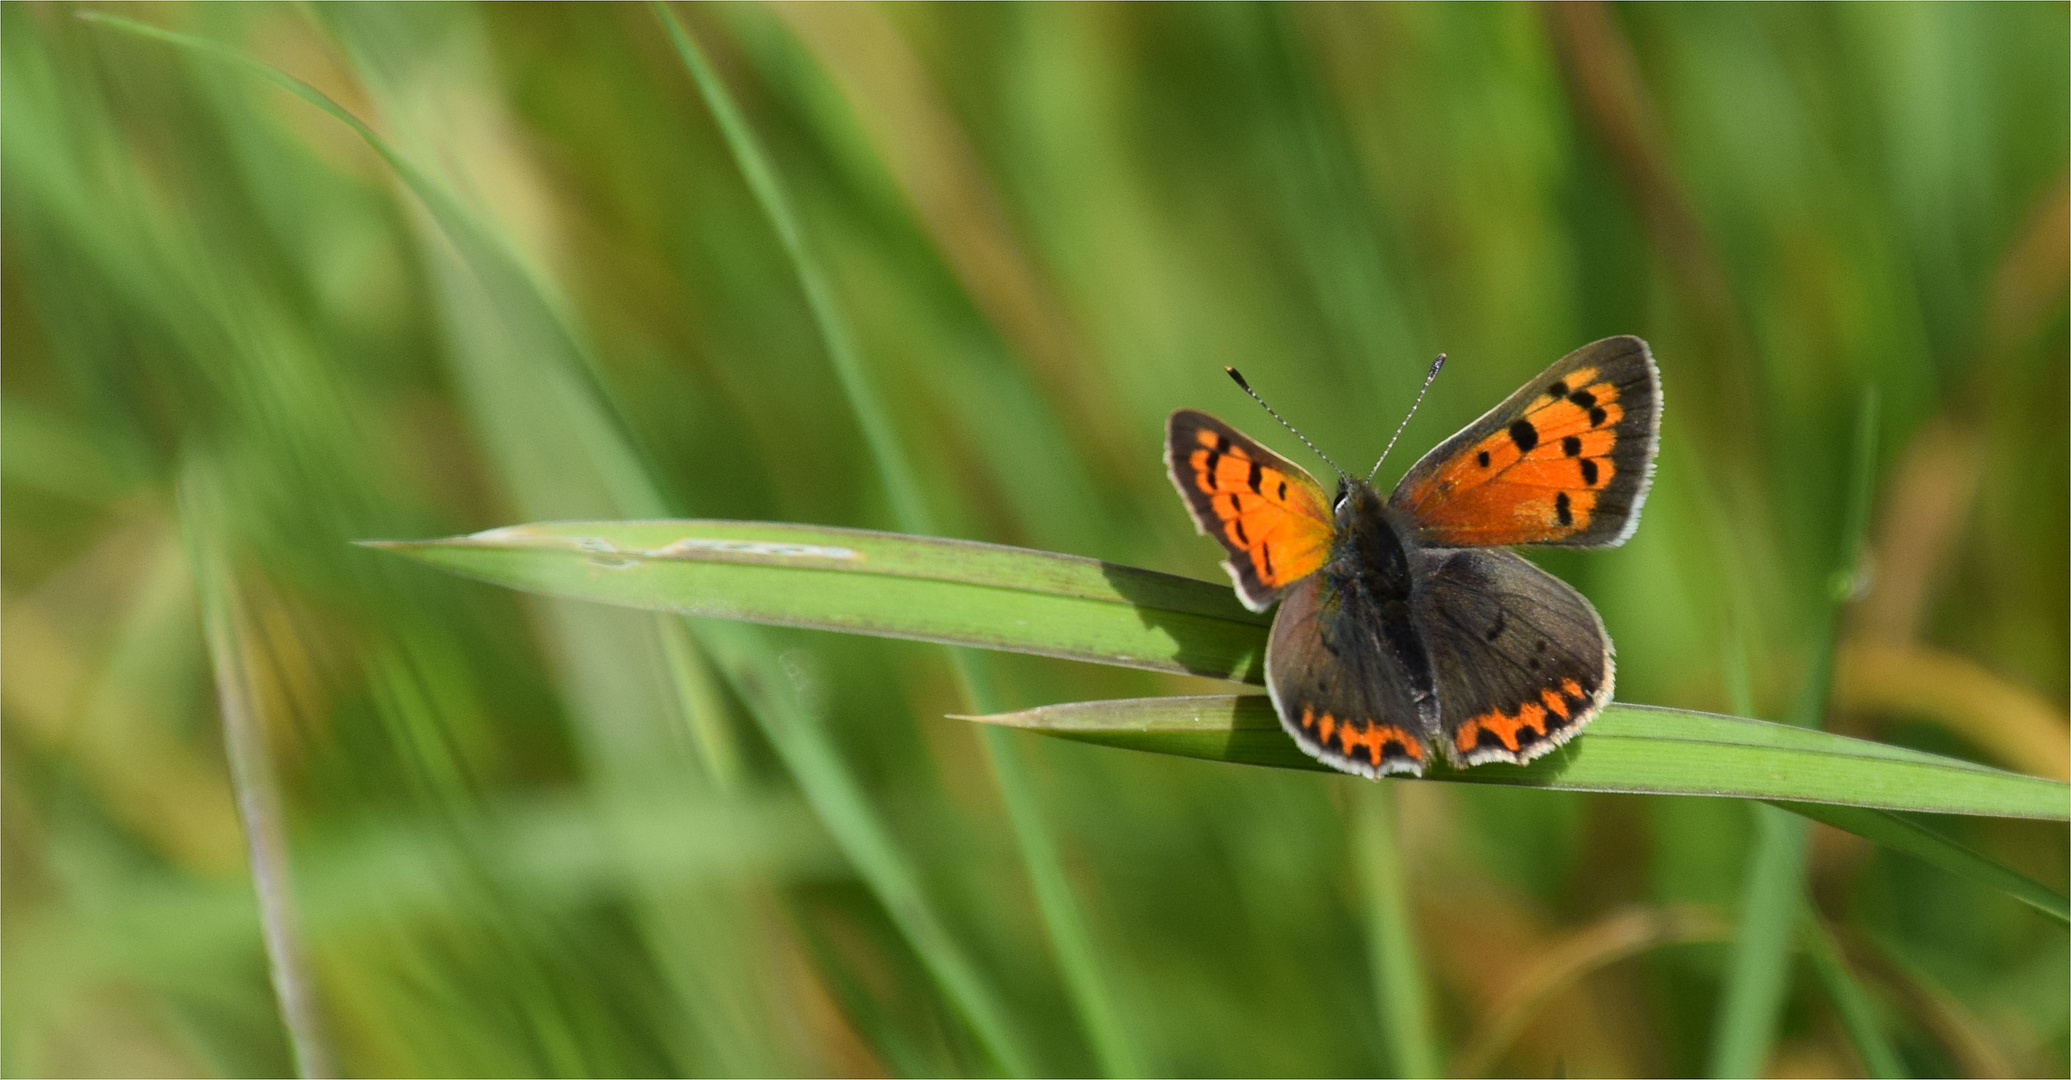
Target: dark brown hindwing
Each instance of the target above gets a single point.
(1521, 658)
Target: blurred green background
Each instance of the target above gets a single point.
(535, 837)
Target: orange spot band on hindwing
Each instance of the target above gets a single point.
(1556, 709)
(1505, 727)
(1374, 743)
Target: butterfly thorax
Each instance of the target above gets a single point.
(1371, 588)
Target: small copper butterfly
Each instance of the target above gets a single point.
(1403, 623)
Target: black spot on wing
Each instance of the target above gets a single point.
(1524, 435)
(1257, 472)
(1482, 459)
(1588, 472)
(1561, 511)
(1583, 398)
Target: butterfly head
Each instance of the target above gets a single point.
(1355, 499)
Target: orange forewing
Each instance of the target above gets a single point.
(1539, 468)
(1272, 517)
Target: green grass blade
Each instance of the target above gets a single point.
(1060, 909)
(259, 805)
(949, 591)
(1637, 749)
(1893, 831)
(1759, 971)
(894, 471)
(1398, 972)
(1858, 1014)
(848, 814)
(1054, 900)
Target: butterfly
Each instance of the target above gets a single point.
(1404, 622)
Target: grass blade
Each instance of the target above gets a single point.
(1060, 909)
(1557, 970)
(1054, 900)
(794, 730)
(954, 592)
(1758, 973)
(1901, 834)
(1398, 973)
(1636, 749)
(878, 432)
(259, 806)
(1641, 749)
(1858, 1014)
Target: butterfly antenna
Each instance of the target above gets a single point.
(1246, 387)
(1432, 374)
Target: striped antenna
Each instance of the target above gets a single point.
(1246, 387)
(1433, 374)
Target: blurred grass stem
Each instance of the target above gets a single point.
(252, 778)
(1555, 972)
(1398, 973)
(1059, 910)
(1857, 1012)
(1773, 901)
